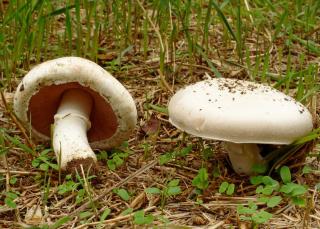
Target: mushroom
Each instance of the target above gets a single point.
(240, 113)
(87, 106)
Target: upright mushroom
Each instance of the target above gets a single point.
(86, 106)
(240, 113)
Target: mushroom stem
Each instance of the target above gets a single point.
(244, 156)
(71, 123)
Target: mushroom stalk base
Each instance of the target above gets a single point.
(71, 123)
(244, 156)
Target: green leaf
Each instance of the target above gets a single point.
(83, 215)
(172, 191)
(245, 210)
(44, 166)
(80, 195)
(263, 199)
(245, 218)
(293, 189)
(67, 187)
(269, 181)
(261, 217)
(35, 163)
(298, 190)
(11, 195)
(173, 183)
(54, 166)
(287, 188)
(139, 218)
(306, 169)
(274, 201)
(256, 180)
(122, 193)
(9, 202)
(148, 219)
(252, 205)
(230, 189)
(223, 187)
(301, 202)
(165, 158)
(45, 152)
(103, 155)
(15, 141)
(117, 160)
(267, 190)
(285, 174)
(259, 189)
(105, 214)
(13, 180)
(158, 108)
(185, 151)
(69, 177)
(152, 190)
(111, 165)
(201, 180)
(60, 222)
(123, 155)
(127, 211)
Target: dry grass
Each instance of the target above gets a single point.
(141, 171)
(143, 78)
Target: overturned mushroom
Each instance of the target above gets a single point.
(240, 113)
(87, 106)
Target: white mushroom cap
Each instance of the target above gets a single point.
(239, 111)
(113, 116)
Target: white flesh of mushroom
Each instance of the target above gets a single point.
(71, 124)
(244, 156)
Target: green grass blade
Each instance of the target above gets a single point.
(224, 19)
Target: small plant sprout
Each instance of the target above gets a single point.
(242, 114)
(172, 188)
(271, 193)
(141, 219)
(77, 187)
(201, 181)
(227, 188)
(176, 154)
(295, 192)
(44, 161)
(122, 193)
(10, 198)
(253, 214)
(87, 106)
(117, 156)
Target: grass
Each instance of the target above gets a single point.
(154, 48)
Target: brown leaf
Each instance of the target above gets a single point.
(151, 127)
